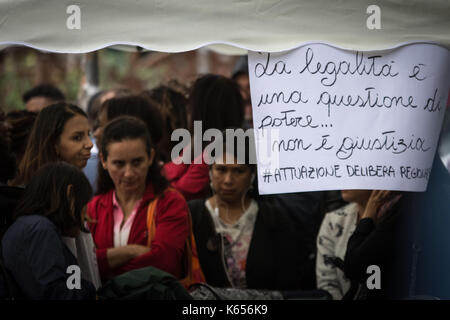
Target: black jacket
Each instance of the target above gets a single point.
(410, 245)
(277, 258)
(9, 198)
(38, 260)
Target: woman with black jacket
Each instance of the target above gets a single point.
(406, 237)
(243, 242)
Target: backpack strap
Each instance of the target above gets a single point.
(151, 211)
(151, 220)
(192, 269)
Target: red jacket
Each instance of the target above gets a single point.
(192, 180)
(172, 229)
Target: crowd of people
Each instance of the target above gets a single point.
(100, 190)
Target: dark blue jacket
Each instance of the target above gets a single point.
(37, 259)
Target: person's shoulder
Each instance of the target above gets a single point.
(171, 194)
(196, 204)
(343, 213)
(273, 216)
(35, 221)
(101, 199)
(173, 201)
(30, 226)
(198, 166)
(173, 171)
(196, 207)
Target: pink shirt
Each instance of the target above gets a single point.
(121, 234)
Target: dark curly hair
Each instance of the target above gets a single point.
(217, 102)
(143, 109)
(44, 90)
(172, 105)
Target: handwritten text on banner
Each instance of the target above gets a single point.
(328, 119)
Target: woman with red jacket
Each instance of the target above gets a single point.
(129, 181)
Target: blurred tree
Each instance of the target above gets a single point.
(21, 68)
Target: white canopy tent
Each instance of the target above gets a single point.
(258, 25)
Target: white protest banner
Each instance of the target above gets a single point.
(329, 119)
